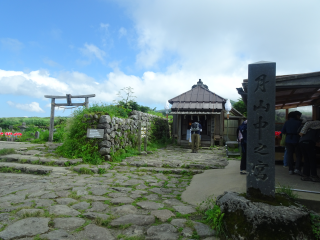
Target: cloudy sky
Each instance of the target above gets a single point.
(160, 48)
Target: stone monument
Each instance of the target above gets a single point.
(23, 127)
(10, 127)
(261, 120)
(262, 214)
(37, 135)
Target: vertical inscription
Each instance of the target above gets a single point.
(261, 115)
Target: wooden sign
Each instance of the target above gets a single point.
(95, 133)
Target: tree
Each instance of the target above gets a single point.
(240, 106)
(125, 96)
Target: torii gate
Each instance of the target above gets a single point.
(68, 97)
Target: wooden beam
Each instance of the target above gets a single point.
(72, 104)
(78, 96)
(51, 121)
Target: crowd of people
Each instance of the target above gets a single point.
(300, 140)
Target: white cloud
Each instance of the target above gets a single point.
(11, 44)
(104, 26)
(30, 107)
(91, 51)
(122, 32)
(216, 40)
(51, 63)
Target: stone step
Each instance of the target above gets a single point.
(39, 160)
(174, 164)
(11, 167)
(87, 169)
(179, 171)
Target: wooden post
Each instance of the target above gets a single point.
(221, 127)
(51, 120)
(139, 136)
(287, 112)
(86, 102)
(146, 137)
(179, 129)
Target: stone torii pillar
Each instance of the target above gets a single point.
(69, 103)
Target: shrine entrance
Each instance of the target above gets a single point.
(68, 104)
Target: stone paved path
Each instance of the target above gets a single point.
(136, 199)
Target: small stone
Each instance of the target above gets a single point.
(139, 220)
(81, 206)
(38, 194)
(82, 193)
(163, 215)
(95, 198)
(43, 203)
(98, 191)
(65, 201)
(187, 232)
(141, 186)
(98, 207)
(184, 209)
(56, 235)
(49, 196)
(134, 231)
(4, 216)
(178, 222)
(68, 223)
(117, 195)
(163, 232)
(150, 205)
(139, 192)
(203, 230)
(124, 210)
(93, 215)
(173, 202)
(63, 193)
(152, 197)
(63, 210)
(135, 196)
(120, 200)
(93, 232)
(25, 228)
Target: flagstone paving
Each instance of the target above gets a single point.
(139, 197)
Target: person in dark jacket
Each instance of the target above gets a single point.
(290, 128)
(195, 129)
(242, 137)
(310, 135)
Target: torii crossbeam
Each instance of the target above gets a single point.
(69, 103)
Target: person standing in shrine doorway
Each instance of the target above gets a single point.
(195, 130)
(291, 129)
(242, 138)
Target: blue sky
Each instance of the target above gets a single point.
(160, 48)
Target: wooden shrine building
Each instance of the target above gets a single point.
(202, 105)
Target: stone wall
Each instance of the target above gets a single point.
(120, 132)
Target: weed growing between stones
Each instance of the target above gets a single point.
(287, 190)
(84, 170)
(74, 195)
(3, 227)
(35, 214)
(7, 151)
(37, 237)
(315, 225)
(9, 170)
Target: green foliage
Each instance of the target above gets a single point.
(121, 154)
(240, 106)
(9, 170)
(287, 190)
(32, 121)
(7, 151)
(315, 224)
(215, 220)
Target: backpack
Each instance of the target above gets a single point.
(195, 127)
